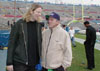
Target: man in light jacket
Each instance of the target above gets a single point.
(56, 46)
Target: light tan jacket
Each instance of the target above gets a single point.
(56, 48)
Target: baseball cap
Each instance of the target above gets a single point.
(55, 15)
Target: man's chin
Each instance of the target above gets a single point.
(50, 27)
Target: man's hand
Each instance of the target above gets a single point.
(10, 68)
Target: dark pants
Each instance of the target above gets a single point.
(90, 55)
(22, 67)
(57, 69)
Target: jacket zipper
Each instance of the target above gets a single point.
(25, 45)
(47, 48)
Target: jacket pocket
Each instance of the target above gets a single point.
(17, 50)
(58, 44)
(20, 53)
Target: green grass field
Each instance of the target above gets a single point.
(80, 36)
(79, 62)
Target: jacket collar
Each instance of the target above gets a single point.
(55, 28)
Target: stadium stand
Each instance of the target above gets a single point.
(65, 11)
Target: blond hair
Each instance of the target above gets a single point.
(33, 7)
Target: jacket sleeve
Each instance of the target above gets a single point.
(67, 52)
(12, 44)
(88, 36)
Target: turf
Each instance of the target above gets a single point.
(79, 62)
(80, 36)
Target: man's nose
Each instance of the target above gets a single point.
(39, 14)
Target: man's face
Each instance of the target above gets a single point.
(36, 14)
(71, 28)
(53, 22)
(85, 25)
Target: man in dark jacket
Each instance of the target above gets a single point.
(24, 46)
(89, 45)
